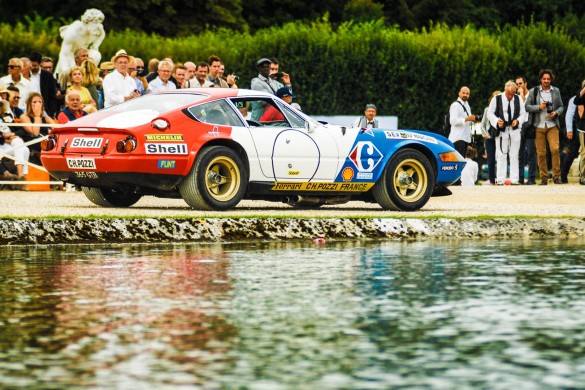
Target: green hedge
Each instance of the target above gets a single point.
(413, 75)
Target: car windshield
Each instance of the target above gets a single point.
(160, 103)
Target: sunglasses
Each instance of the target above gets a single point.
(13, 66)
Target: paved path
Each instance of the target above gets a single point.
(523, 201)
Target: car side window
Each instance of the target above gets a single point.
(218, 113)
(294, 119)
(265, 112)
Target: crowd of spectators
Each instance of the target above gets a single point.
(521, 132)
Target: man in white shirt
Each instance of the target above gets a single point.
(119, 86)
(162, 82)
(15, 78)
(191, 68)
(200, 80)
(461, 118)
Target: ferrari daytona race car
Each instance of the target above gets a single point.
(212, 148)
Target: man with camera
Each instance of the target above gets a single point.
(461, 118)
(506, 114)
(545, 107)
(275, 74)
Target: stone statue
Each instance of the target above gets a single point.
(88, 33)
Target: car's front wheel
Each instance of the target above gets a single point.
(406, 183)
(109, 197)
(217, 180)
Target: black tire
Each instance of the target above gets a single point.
(217, 180)
(407, 182)
(110, 198)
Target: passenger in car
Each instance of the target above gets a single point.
(273, 114)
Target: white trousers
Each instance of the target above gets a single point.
(18, 151)
(507, 146)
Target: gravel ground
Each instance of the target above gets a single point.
(522, 201)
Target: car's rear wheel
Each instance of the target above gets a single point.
(217, 180)
(109, 197)
(406, 183)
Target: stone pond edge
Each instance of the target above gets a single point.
(136, 230)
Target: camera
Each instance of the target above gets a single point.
(549, 107)
(478, 117)
(236, 78)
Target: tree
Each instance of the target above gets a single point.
(168, 18)
(362, 10)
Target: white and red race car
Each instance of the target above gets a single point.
(197, 144)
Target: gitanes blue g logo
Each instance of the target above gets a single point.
(365, 156)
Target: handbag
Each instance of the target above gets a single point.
(494, 132)
(528, 130)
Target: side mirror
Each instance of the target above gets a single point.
(310, 127)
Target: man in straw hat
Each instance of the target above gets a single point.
(119, 86)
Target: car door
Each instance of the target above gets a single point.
(288, 151)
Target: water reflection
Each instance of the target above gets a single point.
(461, 314)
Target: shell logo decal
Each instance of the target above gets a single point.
(347, 174)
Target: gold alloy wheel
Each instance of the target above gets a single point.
(222, 178)
(410, 180)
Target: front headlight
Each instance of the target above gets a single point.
(453, 156)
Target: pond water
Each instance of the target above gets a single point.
(344, 315)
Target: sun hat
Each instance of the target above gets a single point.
(120, 53)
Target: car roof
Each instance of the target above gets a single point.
(223, 92)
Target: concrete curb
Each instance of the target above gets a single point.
(143, 230)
